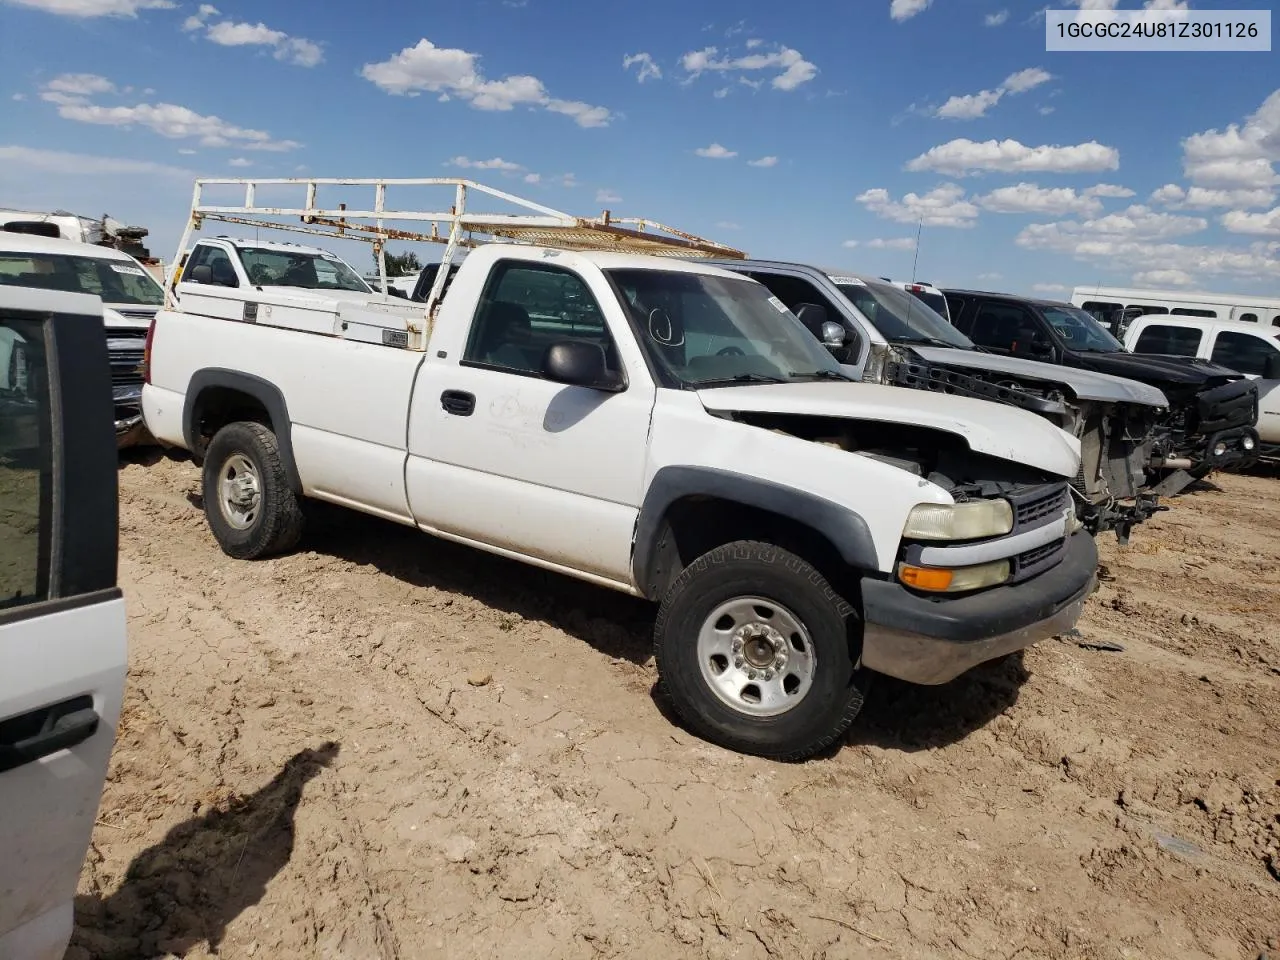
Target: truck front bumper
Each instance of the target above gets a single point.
(932, 640)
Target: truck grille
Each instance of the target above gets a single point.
(1027, 565)
(1037, 506)
(124, 352)
(136, 314)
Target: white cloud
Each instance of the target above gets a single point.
(455, 72)
(1108, 190)
(991, 276)
(722, 93)
(649, 70)
(727, 225)
(1240, 156)
(533, 178)
(80, 164)
(716, 152)
(944, 206)
(607, 196)
(791, 66)
(496, 163)
(897, 243)
(973, 105)
(753, 43)
(1137, 222)
(1255, 224)
(169, 120)
(188, 152)
(1163, 278)
(906, 9)
(227, 33)
(763, 162)
(18, 97)
(1204, 198)
(997, 19)
(962, 156)
(94, 8)
(1049, 288)
(567, 180)
(200, 17)
(240, 162)
(970, 106)
(1046, 110)
(80, 84)
(1029, 198)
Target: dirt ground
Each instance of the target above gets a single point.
(385, 746)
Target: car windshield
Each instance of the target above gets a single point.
(899, 316)
(115, 281)
(1081, 331)
(268, 267)
(704, 330)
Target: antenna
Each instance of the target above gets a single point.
(916, 258)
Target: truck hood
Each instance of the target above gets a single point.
(1158, 369)
(990, 428)
(1085, 384)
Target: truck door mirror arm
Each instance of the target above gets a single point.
(580, 364)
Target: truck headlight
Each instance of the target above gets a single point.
(954, 579)
(959, 521)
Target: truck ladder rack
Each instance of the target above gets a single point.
(455, 227)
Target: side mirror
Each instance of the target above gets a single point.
(579, 364)
(1271, 369)
(832, 335)
(201, 274)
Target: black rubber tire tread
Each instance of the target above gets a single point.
(280, 520)
(752, 568)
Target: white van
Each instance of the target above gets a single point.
(1117, 307)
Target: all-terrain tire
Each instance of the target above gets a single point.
(749, 569)
(275, 525)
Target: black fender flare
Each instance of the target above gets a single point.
(264, 391)
(845, 528)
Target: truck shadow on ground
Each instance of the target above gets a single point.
(896, 715)
(190, 886)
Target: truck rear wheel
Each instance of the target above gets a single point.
(752, 647)
(251, 508)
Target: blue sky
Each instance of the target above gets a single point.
(804, 131)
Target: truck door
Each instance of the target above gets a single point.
(62, 620)
(500, 456)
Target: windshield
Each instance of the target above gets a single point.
(899, 316)
(1081, 331)
(115, 281)
(267, 267)
(712, 331)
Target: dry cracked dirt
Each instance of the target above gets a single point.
(384, 746)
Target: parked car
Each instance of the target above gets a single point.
(62, 619)
(1212, 409)
(130, 298)
(645, 424)
(1247, 348)
(881, 334)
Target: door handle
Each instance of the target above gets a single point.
(458, 402)
(37, 734)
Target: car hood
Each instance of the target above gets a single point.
(1158, 368)
(1085, 384)
(990, 428)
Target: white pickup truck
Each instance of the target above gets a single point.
(645, 424)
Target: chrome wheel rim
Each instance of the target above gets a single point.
(239, 491)
(756, 656)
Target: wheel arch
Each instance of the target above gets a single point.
(220, 396)
(686, 512)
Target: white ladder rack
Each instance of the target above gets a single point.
(455, 226)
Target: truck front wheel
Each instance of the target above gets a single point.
(752, 646)
(251, 508)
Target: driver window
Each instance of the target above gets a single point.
(1009, 329)
(526, 308)
(218, 262)
(1242, 352)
